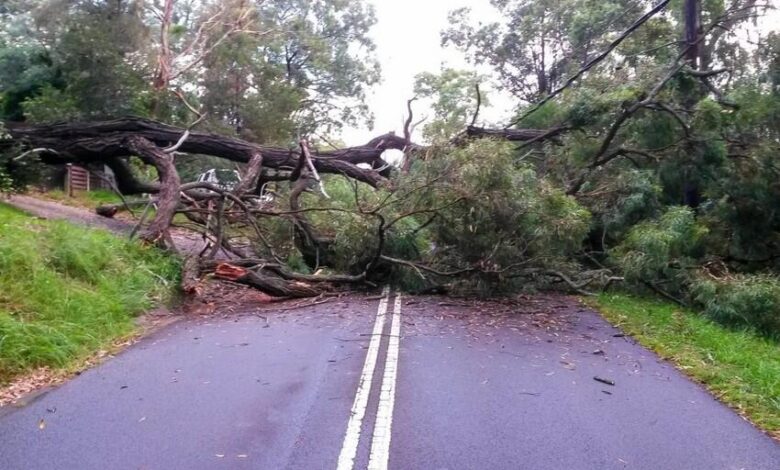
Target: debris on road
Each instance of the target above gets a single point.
(604, 381)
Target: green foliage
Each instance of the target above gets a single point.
(634, 196)
(312, 73)
(6, 183)
(662, 249)
(740, 368)
(741, 300)
(50, 104)
(571, 30)
(588, 107)
(94, 51)
(492, 212)
(24, 71)
(60, 298)
(454, 96)
(741, 211)
(66, 61)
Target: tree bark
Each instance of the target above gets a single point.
(190, 276)
(105, 141)
(513, 135)
(169, 194)
(272, 285)
(251, 175)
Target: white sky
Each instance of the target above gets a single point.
(407, 36)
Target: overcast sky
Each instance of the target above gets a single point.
(408, 42)
(407, 36)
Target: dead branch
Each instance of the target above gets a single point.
(283, 272)
(190, 276)
(528, 136)
(479, 104)
(408, 146)
(306, 156)
(200, 117)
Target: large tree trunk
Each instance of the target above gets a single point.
(106, 142)
(169, 194)
(272, 285)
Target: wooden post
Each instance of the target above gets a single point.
(68, 179)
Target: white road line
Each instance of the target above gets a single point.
(352, 436)
(380, 445)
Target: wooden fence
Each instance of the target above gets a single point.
(76, 179)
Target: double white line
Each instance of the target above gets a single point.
(380, 443)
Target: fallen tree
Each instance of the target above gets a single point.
(218, 213)
(487, 214)
(107, 141)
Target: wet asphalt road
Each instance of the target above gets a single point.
(477, 388)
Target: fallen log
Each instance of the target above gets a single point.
(110, 210)
(190, 276)
(271, 285)
(283, 272)
(106, 142)
(518, 135)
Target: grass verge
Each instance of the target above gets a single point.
(67, 292)
(85, 199)
(741, 368)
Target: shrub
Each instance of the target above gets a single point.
(6, 183)
(492, 212)
(743, 300)
(661, 250)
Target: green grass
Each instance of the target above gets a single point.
(89, 199)
(67, 292)
(740, 367)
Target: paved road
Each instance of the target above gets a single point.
(53, 210)
(435, 385)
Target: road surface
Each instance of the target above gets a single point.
(400, 383)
